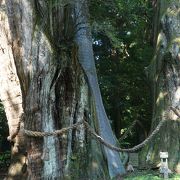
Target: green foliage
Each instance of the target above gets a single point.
(4, 154)
(5, 159)
(3, 125)
(149, 175)
(122, 45)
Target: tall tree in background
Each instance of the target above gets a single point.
(165, 78)
(42, 78)
(123, 48)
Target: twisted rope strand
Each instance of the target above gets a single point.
(54, 133)
(95, 135)
(127, 131)
(14, 134)
(135, 148)
(176, 112)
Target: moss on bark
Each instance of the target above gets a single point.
(165, 77)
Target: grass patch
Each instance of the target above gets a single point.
(149, 175)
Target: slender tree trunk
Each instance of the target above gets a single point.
(86, 58)
(53, 91)
(164, 72)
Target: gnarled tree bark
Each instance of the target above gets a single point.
(53, 89)
(164, 75)
(10, 95)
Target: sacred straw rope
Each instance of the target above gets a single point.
(54, 133)
(97, 137)
(127, 131)
(135, 148)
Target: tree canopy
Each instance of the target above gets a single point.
(56, 60)
(122, 41)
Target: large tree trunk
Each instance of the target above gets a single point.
(164, 74)
(11, 97)
(53, 91)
